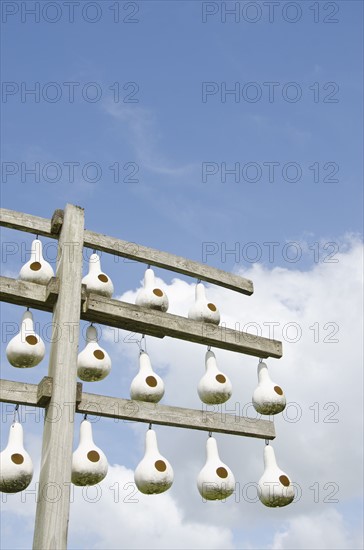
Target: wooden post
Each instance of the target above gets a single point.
(52, 516)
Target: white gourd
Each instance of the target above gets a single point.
(93, 362)
(26, 349)
(274, 487)
(215, 481)
(37, 269)
(96, 280)
(16, 467)
(150, 296)
(202, 310)
(214, 387)
(147, 385)
(89, 463)
(268, 397)
(154, 474)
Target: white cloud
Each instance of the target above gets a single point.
(318, 440)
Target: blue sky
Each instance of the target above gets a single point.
(152, 123)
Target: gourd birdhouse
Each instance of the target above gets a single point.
(26, 349)
(36, 270)
(16, 467)
(147, 385)
(268, 397)
(89, 464)
(202, 309)
(154, 474)
(274, 487)
(93, 362)
(150, 296)
(214, 387)
(215, 481)
(96, 281)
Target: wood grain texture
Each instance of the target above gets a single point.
(139, 411)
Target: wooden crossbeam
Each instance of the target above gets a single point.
(122, 315)
(139, 411)
(132, 251)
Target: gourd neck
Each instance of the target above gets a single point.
(149, 279)
(263, 374)
(15, 435)
(86, 432)
(27, 324)
(210, 361)
(36, 254)
(91, 335)
(200, 293)
(269, 457)
(151, 445)
(211, 449)
(94, 264)
(144, 362)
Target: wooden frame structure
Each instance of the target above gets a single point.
(66, 298)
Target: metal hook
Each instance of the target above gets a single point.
(267, 441)
(16, 412)
(94, 251)
(208, 348)
(148, 266)
(36, 236)
(28, 309)
(260, 359)
(142, 348)
(198, 281)
(210, 434)
(150, 426)
(85, 416)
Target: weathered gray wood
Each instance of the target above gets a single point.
(115, 313)
(44, 392)
(168, 261)
(132, 251)
(178, 417)
(57, 221)
(23, 293)
(25, 222)
(51, 522)
(119, 314)
(139, 411)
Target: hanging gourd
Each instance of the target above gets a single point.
(214, 387)
(89, 464)
(268, 397)
(154, 474)
(36, 270)
(202, 310)
(215, 481)
(26, 349)
(96, 280)
(147, 385)
(93, 362)
(16, 467)
(150, 296)
(274, 487)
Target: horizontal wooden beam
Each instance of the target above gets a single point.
(132, 251)
(23, 293)
(178, 264)
(98, 309)
(123, 315)
(139, 411)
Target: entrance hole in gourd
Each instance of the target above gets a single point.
(35, 266)
(160, 465)
(222, 472)
(93, 456)
(99, 354)
(220, 378)
(103, 278)
(31, 339)
(158, 292)
(211, 307)
(151, 381)
(17, 458)
(284, 480)
(278, 390)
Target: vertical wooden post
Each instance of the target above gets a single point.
(52, 516)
